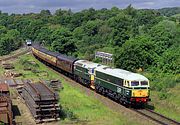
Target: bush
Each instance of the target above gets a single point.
(161, 81)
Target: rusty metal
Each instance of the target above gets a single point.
(12, 82)
(5, 105)
(4, 88)
(41, 101)
(53, 95)
(8, 66)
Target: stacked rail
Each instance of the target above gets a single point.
(55, 85)
(41, 101)
(6, 114)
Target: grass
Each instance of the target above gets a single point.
(165, 94)
(170, 106)
(77, 107)
(88, 109)
(1, 70)
(44, 72)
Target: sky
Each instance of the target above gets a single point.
(28, 6)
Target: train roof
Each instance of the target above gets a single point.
(55, 54)
(120, 73)
(66, 58)
(46, 51)
(87, 64)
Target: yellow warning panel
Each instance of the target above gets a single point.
(92, 77)
(139, 93)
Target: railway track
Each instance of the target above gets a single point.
(15, 55)
(158, 118)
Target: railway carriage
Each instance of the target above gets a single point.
(57, 60)
(122, 85)
(45, 55)
(65, 63)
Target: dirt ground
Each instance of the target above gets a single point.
(22, 113)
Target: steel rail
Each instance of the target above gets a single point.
(163, 119)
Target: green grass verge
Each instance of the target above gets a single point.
(165, 94)
(170, 106)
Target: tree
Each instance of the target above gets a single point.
(130, 11)
(170, 60)
(2, 30)
(45, 35)
(135, 53)
(45, 13)
(120, 25)
(9, 42)
(32, 29)
(164, 34)
(63, 41)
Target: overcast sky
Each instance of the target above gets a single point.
(27, 6)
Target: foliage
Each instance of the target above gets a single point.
(163, 81)
(164, 35)
(9, 41)
(169, 11)
(170, 60)
(135, 53)
(138, 38)
(62, 41)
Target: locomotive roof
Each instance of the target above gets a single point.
(120, 73)
(86, 64)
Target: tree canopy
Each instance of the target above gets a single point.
(138, 38)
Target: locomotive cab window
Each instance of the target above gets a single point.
(134, 83)
(144, 83)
